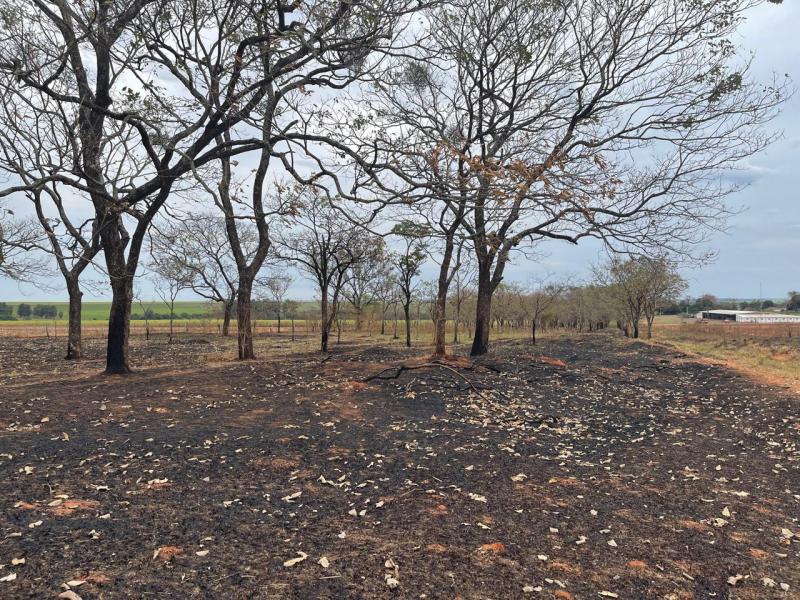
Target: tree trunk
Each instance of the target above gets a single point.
(636, 329)
(440, 322)
(243, 318)
(226, 319)
(533, 331)
(483, 314)
(407, 312)
(119, 326)
(292, 329)
(325, 323)
(171, 321)
(74, 350)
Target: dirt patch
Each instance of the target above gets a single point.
(564, 470)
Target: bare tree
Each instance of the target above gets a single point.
(568, 120)
(326, 246)
(540, 298)
(361, 287)
(199, 243)
(291, 307)
(170, 277)
(408, 265)
(156, 90)
(278, 283)
(19, 238)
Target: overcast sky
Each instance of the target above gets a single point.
(759, 254)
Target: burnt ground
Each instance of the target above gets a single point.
(627, 470)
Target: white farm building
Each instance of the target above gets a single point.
(746, 316)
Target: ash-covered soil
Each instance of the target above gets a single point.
(580, 468)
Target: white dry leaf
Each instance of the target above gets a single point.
(718, 522)
(293, 561)
(542, 557)
(28, 469)
(726, 512)
(612, 543)
(477, 497)
(580, 540)
(35, 524)
(17, 561)
(292, 497)
(519, 477)
(352, 512)
(785, 587)
(787, 533)
(342, 535)
(324, 562)
(608, 594)
(9, 577)
(734, 579)
(768, 582)
(391, 581)
(75, 582)
(69, 595)
(202, 553)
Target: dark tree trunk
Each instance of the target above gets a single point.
(119, 326)
(407, 312)
(483, 314)
(243, 318)
(74, 349)
(226, 319)
(533, 331)
(440, 307)
(325, 322)
(636, 329)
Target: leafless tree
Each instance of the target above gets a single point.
(278, 283)
(567, 120)
(540, 297)
(408, 265)
(19, 238)
(171, 276)
(461, 288)
(361, 287)
(199, 242)
(31, 147)
(326, 246)
(157, 90)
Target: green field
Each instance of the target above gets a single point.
(98, 311)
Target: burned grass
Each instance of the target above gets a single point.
(584, 468)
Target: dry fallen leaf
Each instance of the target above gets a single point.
(324, 562)
(293, 561)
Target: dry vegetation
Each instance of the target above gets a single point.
(767, 352)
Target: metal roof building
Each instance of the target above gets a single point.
(746, 316)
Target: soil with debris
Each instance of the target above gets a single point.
(579, 468)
